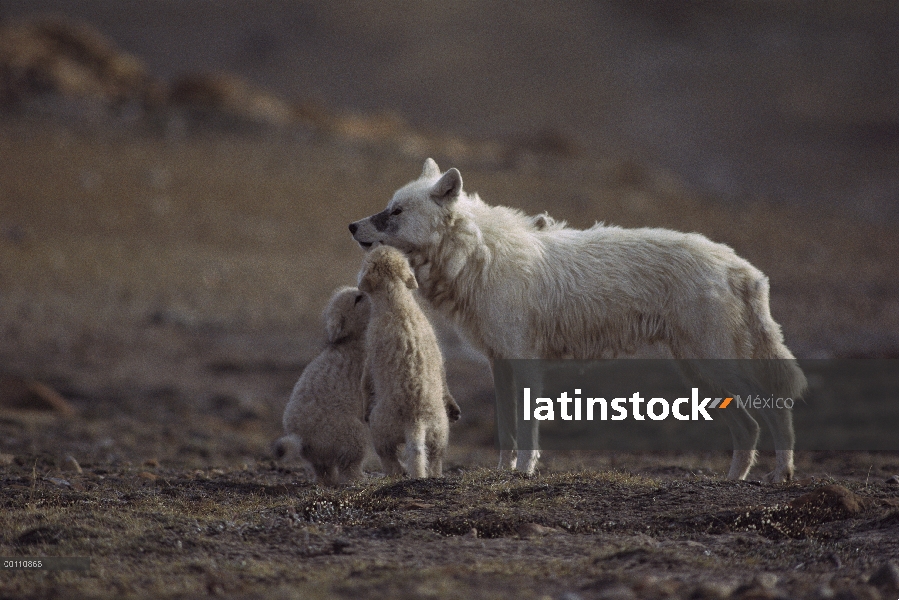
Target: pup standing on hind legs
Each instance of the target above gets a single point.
(403, 381)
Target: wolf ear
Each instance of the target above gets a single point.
(447, 187)
(411, 283)
(431, 170)
(365, 285)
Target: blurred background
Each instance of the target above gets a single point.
(785, 100)
(176, 179)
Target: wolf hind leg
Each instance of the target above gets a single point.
(719, 376)
(780, 422)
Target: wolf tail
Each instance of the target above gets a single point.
(777, 371)
(287, 447)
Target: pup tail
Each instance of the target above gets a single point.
(777, 370)
(287, 447)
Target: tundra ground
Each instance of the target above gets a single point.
(169, 288)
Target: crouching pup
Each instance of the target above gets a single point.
(533, 288)
(404, 379)
(323, 419)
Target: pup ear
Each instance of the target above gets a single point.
(365, 284)
(431, 169)
(334, 327)
(447, 187)
(411, 283)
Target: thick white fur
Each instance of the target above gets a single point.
(530, 287)
(404, 379)
(323, 419)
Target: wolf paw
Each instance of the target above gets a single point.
(778, 476)
(507, 460)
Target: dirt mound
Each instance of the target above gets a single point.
(73, 60)
(228, 95)
(17, 393)
(54, 55)
(798, 518)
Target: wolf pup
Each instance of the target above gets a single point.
(403, 382)
(323, 419)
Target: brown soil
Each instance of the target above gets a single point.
(169, 290)
(161, 281)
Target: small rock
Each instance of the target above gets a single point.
(6, 460)
(472, 533)
(755, 592)
(148, 476)
(214, 587)
(766, 580)
(58, 482)
(824, 592)
(894, 480)
(70, 464)
(653, 586)
(712, 590)
(618, 592)
(151, 462)
(886, 577)
(530, 530)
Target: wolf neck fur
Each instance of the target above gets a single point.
(460, 268)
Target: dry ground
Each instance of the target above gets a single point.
(169, 287)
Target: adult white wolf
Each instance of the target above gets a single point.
(529, 287)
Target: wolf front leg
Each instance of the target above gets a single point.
(528, 447)
(506, 412)
(527, 374)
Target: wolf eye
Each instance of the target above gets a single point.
(358, 298)
(396, 211)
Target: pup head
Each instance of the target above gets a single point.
(346, 316)
(415, 211)
(384, 267)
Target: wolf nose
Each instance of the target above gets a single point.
(353, 228)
